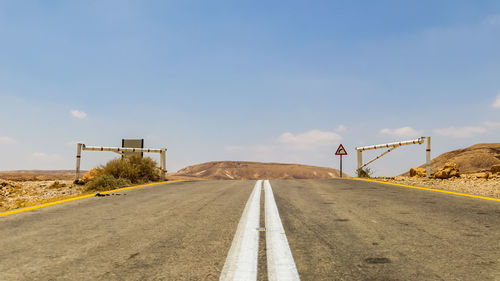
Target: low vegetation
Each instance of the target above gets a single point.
(364, 172)
(57, 185)
(106, 182)
(122, 172)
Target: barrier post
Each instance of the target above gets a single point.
(340, 165)
(428, 158)
(360, 159)
(163, 163)
(78, 157)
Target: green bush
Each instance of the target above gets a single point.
(124, 171)
(106, 182)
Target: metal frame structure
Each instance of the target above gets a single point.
(121, 150)
(392, 146)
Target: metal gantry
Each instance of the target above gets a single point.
(120, 150)
(392, 146)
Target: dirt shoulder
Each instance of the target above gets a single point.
(464, 184)
(19, 194)
(19, 189)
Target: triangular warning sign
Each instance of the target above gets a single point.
(341, 150)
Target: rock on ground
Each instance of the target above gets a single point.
(495, 169)
(448, 171)
(418, 172)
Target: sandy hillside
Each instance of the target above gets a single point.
(236, 170)
(478, 157)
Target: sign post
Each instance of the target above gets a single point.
(341, 151)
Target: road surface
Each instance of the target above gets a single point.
(336, 230)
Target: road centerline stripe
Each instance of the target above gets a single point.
(280, 263)
(242, 258)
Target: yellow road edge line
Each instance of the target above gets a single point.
(15, 211)
(431, 189)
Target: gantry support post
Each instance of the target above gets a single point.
(163, 163)
(360, 158)
(78, 157)
(428, 158)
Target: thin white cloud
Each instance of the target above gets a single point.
(492, 125)
(78, 114)
(406, 132)
(235, 148)
(496, 103)
(460, 132)
(310, 147)
(7, 140)
(261, 148)
(492, 20)
(310, 140)
(45, 157)
(46, 161)
(340, 128)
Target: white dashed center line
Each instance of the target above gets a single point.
(241, 261)
(280, 263)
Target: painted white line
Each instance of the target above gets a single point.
(280, 263)
(241, 261)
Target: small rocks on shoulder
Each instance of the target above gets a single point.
(450, 170)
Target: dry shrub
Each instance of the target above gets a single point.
(134, 168)
(364, 173)
(91, 175)
(57, 185)
(123, 171)
(106, 182)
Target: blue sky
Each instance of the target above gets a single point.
(246, 80)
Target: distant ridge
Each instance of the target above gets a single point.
(241, 170)
(34, 175)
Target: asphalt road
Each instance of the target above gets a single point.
(336, 229)
(352, 230)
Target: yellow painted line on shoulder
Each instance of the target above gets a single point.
(3, 214)
(431, 189)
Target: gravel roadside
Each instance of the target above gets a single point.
(19, 194)
(465, 184)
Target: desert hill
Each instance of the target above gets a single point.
(236, 170)
(471, 159)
